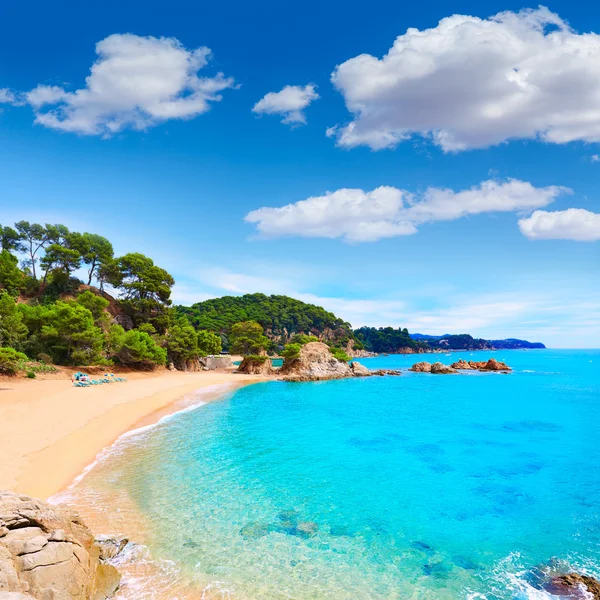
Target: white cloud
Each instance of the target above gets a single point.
(290, 102)
(595, 158)
(7, 96)
(572, 224)
(136, 82)
(472, 83)
(358, 216)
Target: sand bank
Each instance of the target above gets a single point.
(50, 431)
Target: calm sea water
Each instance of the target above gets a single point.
(419, 486)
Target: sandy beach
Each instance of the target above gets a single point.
(50, 431)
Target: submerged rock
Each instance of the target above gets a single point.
(111, 545)
(253, 531)
(306, 528)
(47, 552)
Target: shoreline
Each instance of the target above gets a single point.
(53, 432)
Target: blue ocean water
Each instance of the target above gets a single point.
(419, 486)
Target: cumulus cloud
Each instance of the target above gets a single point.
(572, 224)
(472, 83)
(290, 103)
(135, 82)
(358, 216)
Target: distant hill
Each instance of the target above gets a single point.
(281, 316)
(465, 341)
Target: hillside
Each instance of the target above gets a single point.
(281, 317)
(465, 341)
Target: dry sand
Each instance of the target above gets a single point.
(50, 431)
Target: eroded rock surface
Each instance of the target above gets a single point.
(254, 366)
(315, 362)
(47, 553)
(439, 368)
(421, 367)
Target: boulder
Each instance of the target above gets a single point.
(421, 367)
(253, 365)
(359, 370)
(47, 552)
(440, 369)
(462, 365)
(574, 585)
(490, 365)
(313, 363)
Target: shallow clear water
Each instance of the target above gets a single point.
(419, 486)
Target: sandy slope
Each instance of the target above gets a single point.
(49, 430)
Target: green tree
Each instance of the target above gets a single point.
(147, 290)
(247, 338)
(209, 343)
(12, 329)
(65, 331)
(138, 349)
(10, 360)
(11, 277)
(95, 251)
(34, 237)
(10, 240)
(291, 351)
(181, 342)
(97, 306)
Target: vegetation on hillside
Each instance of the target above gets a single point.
(281, 317)
(50, 315)
(387, 339)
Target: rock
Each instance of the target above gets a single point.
(360, 370)
(111, 546)
(383, 372)
(256, 366)
(440, 369)
(574, 585)
(172, 367)
(315, 362)
(421, 367)
(307, 528)
(462, 365)
(48, 553)
(491, 365)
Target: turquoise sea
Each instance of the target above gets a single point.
(412, 487)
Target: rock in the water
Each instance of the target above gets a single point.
(111, 545)
(462, 365)
(47, 552)
(253, 365)
(307, 528)
(490, 365)
(574, 585)
(440, 369)
(421, 367)
(313, 363)
(360, 370)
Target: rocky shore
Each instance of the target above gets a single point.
(438, 368)
(48, 553)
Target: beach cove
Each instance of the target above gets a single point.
(52, 431)
(413, 486)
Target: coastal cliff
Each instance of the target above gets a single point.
(48, 553)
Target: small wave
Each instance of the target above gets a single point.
(188, 403)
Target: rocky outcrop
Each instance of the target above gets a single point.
(47, 553)
(462, 365)
(315, 362)
(574, 585)
(352, 352)
(438, 368)
(359, 370)
(421, 367)
(256, 365)
(490, 365)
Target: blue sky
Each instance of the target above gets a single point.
(443, 168)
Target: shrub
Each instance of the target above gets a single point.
(10, 360)
(291, 351)
(137, 348)
(339, 354)
(30, 375)
(302, 339)
(259, 358)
